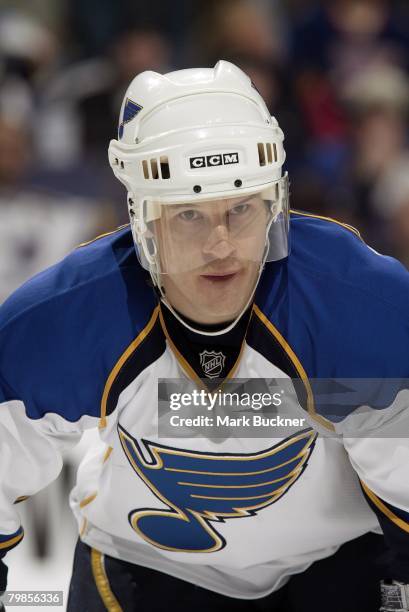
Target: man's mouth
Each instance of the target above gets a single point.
(219, 277)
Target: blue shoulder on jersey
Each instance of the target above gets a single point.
(342, 308)
(62, 332)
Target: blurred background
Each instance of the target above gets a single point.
(334, 73)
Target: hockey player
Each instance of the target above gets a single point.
(212, 291)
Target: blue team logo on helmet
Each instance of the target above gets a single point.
(200, 489)
(131, 109)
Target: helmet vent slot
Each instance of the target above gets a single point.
(145, 169)
(164, 167)
(267, 153)
(261, 154)
(156, 168)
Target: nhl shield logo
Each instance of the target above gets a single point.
(212, 363)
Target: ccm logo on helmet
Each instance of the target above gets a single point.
(219, 159)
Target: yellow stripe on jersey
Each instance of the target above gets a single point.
(88, 500)
(345, 225)
(107, 454)
(121, 227)
(12, 541)
(84, 526)
(386, 511)
(21, 499)
(131, 348)
(298, 366)
(185, 365)
(101, 580)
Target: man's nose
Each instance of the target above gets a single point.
(218, 243)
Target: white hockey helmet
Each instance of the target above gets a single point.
(198, 135)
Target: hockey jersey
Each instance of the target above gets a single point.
(84, 344)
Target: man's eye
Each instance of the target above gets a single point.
(189, 215)
(240, 209)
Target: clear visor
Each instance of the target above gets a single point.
(189, 235)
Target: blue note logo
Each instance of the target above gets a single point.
(131, 109)
(199, 490)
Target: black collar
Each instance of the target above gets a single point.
(211, 357)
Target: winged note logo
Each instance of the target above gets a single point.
(131, 109)
(201, 489)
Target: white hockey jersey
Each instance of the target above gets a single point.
(84, 344)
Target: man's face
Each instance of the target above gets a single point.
(210, 255)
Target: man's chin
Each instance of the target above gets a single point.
(215, 314)
(216, 318)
